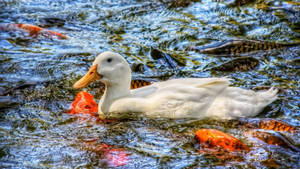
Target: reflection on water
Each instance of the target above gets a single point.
(37, 74)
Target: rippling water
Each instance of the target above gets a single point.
(35, 131)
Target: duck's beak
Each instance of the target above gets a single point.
(91, 76)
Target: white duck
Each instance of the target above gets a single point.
(177, 98)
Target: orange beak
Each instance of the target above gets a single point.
(88, 78)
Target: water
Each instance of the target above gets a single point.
(36, 132)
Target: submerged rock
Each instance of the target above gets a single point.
(137, 67)
(237, 3)
(7, 101)
(52, 21)
(179, 3)
(19, 87)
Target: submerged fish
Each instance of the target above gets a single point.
(276, 125)
(213, 138)
(273, 138)
(237, 47)
(112, 156)
(238, 64)
(32, 30)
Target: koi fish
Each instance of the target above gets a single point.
(137, 83)
(113, 157)
(276, 125)
(32, 30)
(116, 157)
(273, 138)
(212, 138)
(87, 109)
(84, 104)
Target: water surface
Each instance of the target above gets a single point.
(36, 132)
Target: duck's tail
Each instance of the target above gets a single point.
(266, 97)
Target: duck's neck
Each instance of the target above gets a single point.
(113, 92)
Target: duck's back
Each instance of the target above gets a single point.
(236, 102)
(195, 98)
(181, 98)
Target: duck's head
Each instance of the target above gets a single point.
(110, 68)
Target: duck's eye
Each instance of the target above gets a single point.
(109, 59)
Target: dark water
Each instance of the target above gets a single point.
(37, 74)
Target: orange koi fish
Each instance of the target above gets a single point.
(85, 104)
(212, 138)
(32, 30)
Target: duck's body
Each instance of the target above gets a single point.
(177, 98)
(193, 98)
